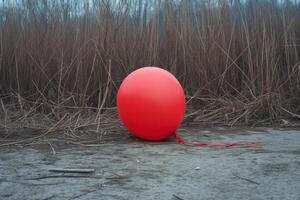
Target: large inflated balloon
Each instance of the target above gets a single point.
(151, 103)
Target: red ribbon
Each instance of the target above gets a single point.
(220, 144)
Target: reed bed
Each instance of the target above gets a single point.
(61, 62)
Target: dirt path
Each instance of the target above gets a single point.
(131, 169)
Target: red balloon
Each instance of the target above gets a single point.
(151, 103)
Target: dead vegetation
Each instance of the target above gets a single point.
(61, 62)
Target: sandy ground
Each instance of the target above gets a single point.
(132, 169)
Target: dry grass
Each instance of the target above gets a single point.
(61, 63)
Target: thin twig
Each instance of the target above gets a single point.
(62, 176)
(82, 194)
(64, 170)
(246, 179)
(177, 197)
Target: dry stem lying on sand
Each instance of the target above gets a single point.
(61, 63)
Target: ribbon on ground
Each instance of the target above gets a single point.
(220, 144)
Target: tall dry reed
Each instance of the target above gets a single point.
(238, 62)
